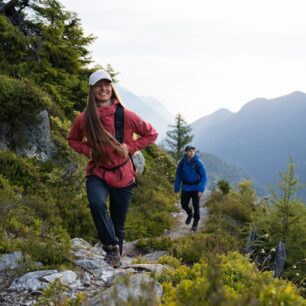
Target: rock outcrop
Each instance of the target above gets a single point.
(91, 275)
(33, 141)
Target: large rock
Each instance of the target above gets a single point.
(5, 137)
(33, 141)
(31, 281)
(38, 280)
(79, 243)
(10, 261)
(38, 140)
(137, 289)
(67, 277)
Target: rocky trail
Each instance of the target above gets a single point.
(90, 273)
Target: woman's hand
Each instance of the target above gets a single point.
(124, 150)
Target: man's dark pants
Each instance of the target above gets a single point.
(110, 227)
(185, 199)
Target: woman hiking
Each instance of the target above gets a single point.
(110, 171)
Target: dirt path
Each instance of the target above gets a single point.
(182, 229)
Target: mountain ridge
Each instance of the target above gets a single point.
(260, 137)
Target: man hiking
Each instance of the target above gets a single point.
(191, 179)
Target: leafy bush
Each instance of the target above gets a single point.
(56, 294)
(153, 199)
(225, 280)
(283, 220)
(31, 224)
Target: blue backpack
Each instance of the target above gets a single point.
(197, 170)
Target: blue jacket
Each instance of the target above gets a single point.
(190, 175)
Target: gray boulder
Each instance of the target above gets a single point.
(130, 290)
(31, 281)
(33, 141)
(10, 261)
(37, 139)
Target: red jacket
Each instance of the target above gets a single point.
(124, 175)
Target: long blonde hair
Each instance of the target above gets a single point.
(98, 137)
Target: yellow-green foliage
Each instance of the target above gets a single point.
(153, 199)
(55, 295)
(18, 170)
(230, 213)
(151, 244)
(20, 101)
(193, 247)
(47, 203)
(30, 224)
(227, 280)
(284, 219)
(238, 205)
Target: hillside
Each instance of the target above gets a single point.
(259, 138)
(49, 248)
(217, 170)
(42, 184)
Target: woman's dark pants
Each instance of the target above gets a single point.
(185, 199)
(110, 226)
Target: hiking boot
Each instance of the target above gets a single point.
(188, 220)
(112, 256)
(194, 225)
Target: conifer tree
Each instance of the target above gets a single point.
(52, 51)
(178, 137)
(288, 185)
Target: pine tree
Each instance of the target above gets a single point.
(178, 137)
(52, 51)
(63, 54)
(289, 185)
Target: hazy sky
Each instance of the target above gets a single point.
(198, 56)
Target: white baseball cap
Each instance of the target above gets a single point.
(99, 75)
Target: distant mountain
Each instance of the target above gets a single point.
(149, 109)
(218, 170)
(259, 138)
(218, 116)
(159, 107)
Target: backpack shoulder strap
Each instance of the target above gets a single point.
(119, 123)
(181, 164)
(197, 169)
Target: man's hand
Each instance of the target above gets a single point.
(200, 194)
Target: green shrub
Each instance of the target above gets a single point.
(153, 199)
(225, 280)
(283, 220)
(151, 244)
(192, 248)
(55, 294)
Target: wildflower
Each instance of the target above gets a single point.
(263, 251)
(294, 266)
(297, 274)
(273, 250)
(266, 235)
